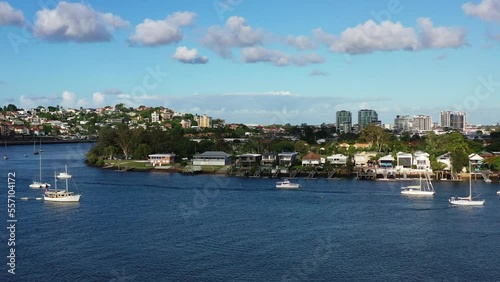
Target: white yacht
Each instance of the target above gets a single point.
(419, 190)
(39, 184)
(63, 195)
(64, 174)
(466, 201)
(287, 184)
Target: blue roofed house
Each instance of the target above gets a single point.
(212, 158)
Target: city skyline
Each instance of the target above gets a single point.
(227, 60)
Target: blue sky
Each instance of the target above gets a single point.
(256, 61)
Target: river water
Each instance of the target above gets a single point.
(140, 226)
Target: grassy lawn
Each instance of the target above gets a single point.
(128, 164)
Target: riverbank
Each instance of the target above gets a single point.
(144, 166)
(46, 141)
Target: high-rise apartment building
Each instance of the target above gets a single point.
(422, 123)
(366, 117)
(454, 120)
(344, 121)
(203, 121)
(403, 123)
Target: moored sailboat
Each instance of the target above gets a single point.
(63, 195)
(466, 201)
(39, 184)
(419, 190)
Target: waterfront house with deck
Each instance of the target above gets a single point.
(421, 161)
(161, 159)
(311, 159)
(269, 158)
(287, 158)
(404, 161)
(212, 158)
(249, 159)
(386, 161)
(446, 160)
(337, 159)
(364, 158)
(476, 160)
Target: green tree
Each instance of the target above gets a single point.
(375, 135)
(124, 141)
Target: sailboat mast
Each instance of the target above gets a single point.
(40, 168)
(470, 182)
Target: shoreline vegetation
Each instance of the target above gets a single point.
(373, 154)
(144, 166)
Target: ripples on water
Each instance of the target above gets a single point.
(171, 227)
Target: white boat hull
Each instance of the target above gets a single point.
(417, 192)
(71, 198)
(462, 202)
(38, 185)
(498, 193)
(288, 186)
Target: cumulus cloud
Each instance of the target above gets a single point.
(186, 56)
(9, 16)
(439, 37)
(235, 33)
(389, 36)
(323, 37)
(318, 73)
(76, 22)
(258, 54)
(487, 10)
(98, 99)
(370, 36)
(162, 32)
(301, 42)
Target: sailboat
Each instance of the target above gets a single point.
(419, 190)
(35, 152)
(466, 201)
(63, 195)
(5, 154)
(40, 184)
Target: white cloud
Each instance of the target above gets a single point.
(439, 37)
(301, 42)
(184, 55)
(258, 54)
(389, 36)
(323, 37)
(76, 22)
(98, 99)
(162, 32)
(370, 36)
(487, 10)
(9, 16)
(235, 33)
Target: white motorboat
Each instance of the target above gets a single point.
(498, 193)
(419, 190)
(64, 174)
(287, 184)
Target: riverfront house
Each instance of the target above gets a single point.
(337, 159)
(212, 158)
(161, 159)
(249, 159)
(311, 159)
(287, 158)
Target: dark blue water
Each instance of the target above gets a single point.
(132, 226)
